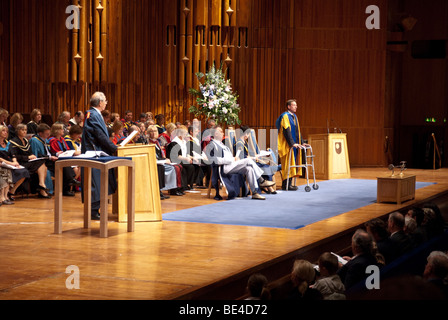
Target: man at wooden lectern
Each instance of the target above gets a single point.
(95, 137)
(289, 137)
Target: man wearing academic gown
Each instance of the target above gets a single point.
(289, 137)
(95, 137)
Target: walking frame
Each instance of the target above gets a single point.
(308, 150)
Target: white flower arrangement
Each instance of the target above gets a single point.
(215, 99)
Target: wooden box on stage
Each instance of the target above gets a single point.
(147, 193)
(331, 159)
(396, 189)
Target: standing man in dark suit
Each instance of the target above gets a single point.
(95, 137)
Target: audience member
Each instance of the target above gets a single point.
(400, 241)
(78, 119)
(419, 235)
(160, 123)
(128, 122)
(106, 116)
(177, 152)
(4, 114)
(257, 287)
(64, 119)
(36, 118)
(73, 139)
(14, 177)
(329, 283)
(118, 135)
(21, 150)
(173, 180)
(377, 228)
(436, 271)
(433, 220)
(166, 136)
(354, 270)
(303, 276)
(15, 120)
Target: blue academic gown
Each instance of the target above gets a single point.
(95, 137)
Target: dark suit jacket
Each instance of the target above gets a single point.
(95, 137)
(401, 243)
(354, 271)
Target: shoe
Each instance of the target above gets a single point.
(7, 202)
(267, 183)
(266, 190)
(43, 197)
(218, 197)
(68, 194)
(39, 187)
(176, 193)
(290, 187)
(257, 196)
(11, 197)
(75, 182)
(95, 215)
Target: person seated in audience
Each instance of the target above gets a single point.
(15, 120)
(436, 271)
(166, 136)
(354, 271)
(172, 172)
(143, 118)
(329, 283)
(419, 235)
(433, 220)
(149, 116)
(257, 287)
(113, 118)
(400, 241)
(143, 138)
(78, 119)
(242, 148)
(177, 152)
(128, 122)
(106, 116)
(377, 228)
(4, 114)
(36, 118)
(15, 177)
(303, 276)
(160, 123)
(64, 119)
(21, 150)
(194, 146)
(41, 147)
(117, 129)
(219, 154)
(73, 139)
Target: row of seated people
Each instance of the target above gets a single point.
(30, 163)
(340, 278)
(179, 151)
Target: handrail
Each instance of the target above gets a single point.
(436, 148)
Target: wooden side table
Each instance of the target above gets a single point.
(104, 165)
(396, 189)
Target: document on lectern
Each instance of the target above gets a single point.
(129, 138)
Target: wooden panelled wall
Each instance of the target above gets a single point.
(144, 54)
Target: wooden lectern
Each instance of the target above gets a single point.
(147, 193)
(331, 156)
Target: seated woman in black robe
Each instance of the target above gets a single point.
(21, 150)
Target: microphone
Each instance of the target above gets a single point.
(337, 127)
(328, 127)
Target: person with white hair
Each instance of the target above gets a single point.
(95, 137)
(436, 271)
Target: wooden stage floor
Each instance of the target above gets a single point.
(160, 260)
